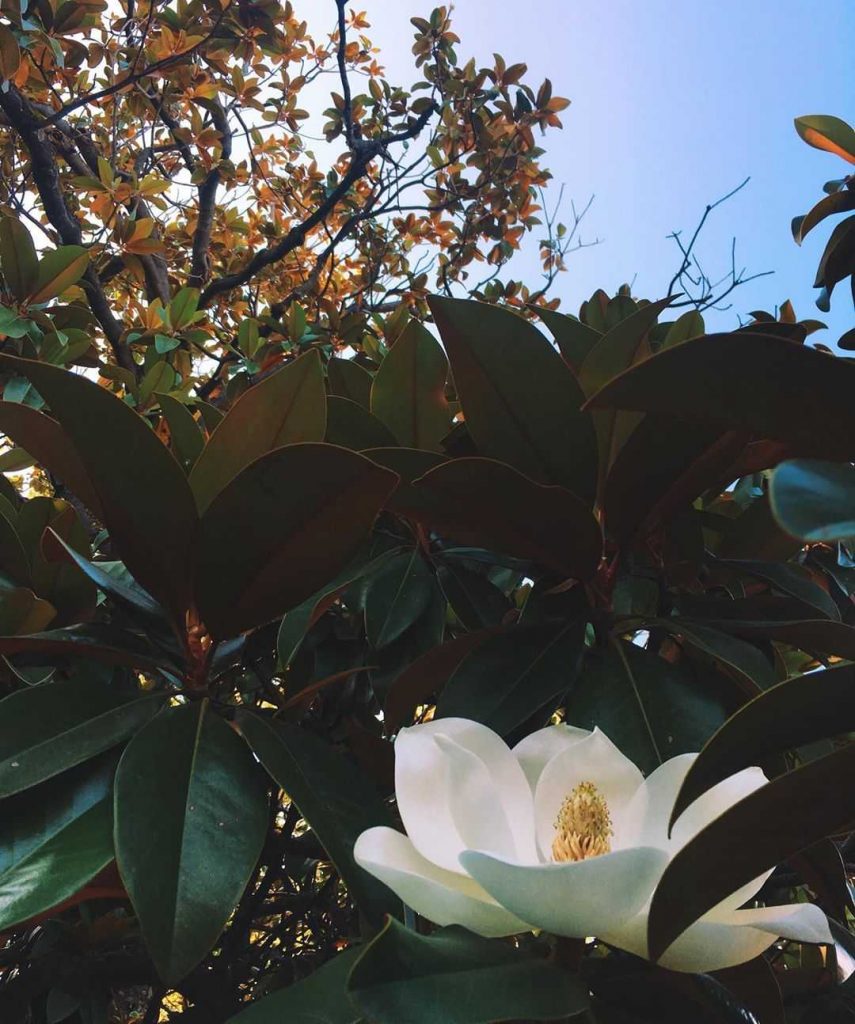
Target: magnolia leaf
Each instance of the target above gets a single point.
(59, 269)
(823, 131)
(813, 500)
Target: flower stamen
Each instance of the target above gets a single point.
(583, 827)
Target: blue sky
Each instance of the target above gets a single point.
(674, 102)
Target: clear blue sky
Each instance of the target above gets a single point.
(674, 102)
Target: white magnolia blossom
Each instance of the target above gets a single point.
(561, 833)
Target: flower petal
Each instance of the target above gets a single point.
(501, 784)
(712, 944)
(537, 750)
(594, 759)
(571, 898)
(440, 896)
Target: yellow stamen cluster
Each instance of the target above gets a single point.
(583, 827)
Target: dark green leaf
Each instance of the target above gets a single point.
(100, 642)
(454, 977)
(799, 711)
(184, 433)
(751, 382)
(319, 999)
(651, 709)
(749, 838)
(617, 349)
(286, 408)
(488, 504)
(352, 426)
(520, 399)
(191, 816)
(738, 658)
(347, 379)
(285, 526)
(814, 500)
(147, 504)
(514, 674)
(396, 596)
(47, 729)
(19, 263)
(408, 393)
(574, 339)
(476, 601)
(59, 269)
(789, 579)
(332, 795)
(837, 202)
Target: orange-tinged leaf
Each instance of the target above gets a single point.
(823, 131)
(58, 270)
(10, 53)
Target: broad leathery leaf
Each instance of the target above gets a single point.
(689, 325)
(489, 504)
(396, 596)
(347, 379)
(812, 635)
(10, 53)
(765, 828)
(814, 500)
(455, 977)
(755, 985)
(574, 339)
(49, 728)
(617, 349)
(318, 503)
(22, 612)
(476, 601)
(651, 709)
(50, 446)
(183, 308)
(515, 674)
(287, 408)
(809, 708)
(423, 678)
(191, 816)
(351, 426)
(54, 839)
(19, 263)
(97, 641)
(836, 262)
(319, 999)
(336, 800)
(59, 269)
(299, 620)
(13, 556)
(751, 382)
(837, 202)
(789, 579)
(184, 432)
(147, 504)
(408, 393)
(824, 131)
(740, 659)
(520, 399)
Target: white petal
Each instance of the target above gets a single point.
(722, 940)
(571, 898)
(537, 750)
(422, 786)
(595, 759)
(505, 789)
(654, 803)
(440, 896)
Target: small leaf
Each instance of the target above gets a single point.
(286, 408)
(182, 309)
(59, 269)
(458, 978)
(331, 794)
(191, 816)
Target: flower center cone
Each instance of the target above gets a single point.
(583, 827)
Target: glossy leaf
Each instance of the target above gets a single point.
(650, 709)
(408, 393)
(814, 500)
(19, 263)
(789, 579)
(476, 601)
(54, 839)
(488, 504)
(59, 269)
(752, 382)
(317, 503)
(396, 596)
(98, 641)
(792, 714)
(49, 728)
(352, 426)
(286, 408)
(837, 202)
(823, 131)
(191, 816)
(740, 659)
(795, 811)
(514, 675)
(347, 379)
(574, 339)
(331, 794)
(184, 432)
(147, 505)
(319, 999)
(520, 399)
(454, 977)
(617, 349)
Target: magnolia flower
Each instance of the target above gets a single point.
(561, 833)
